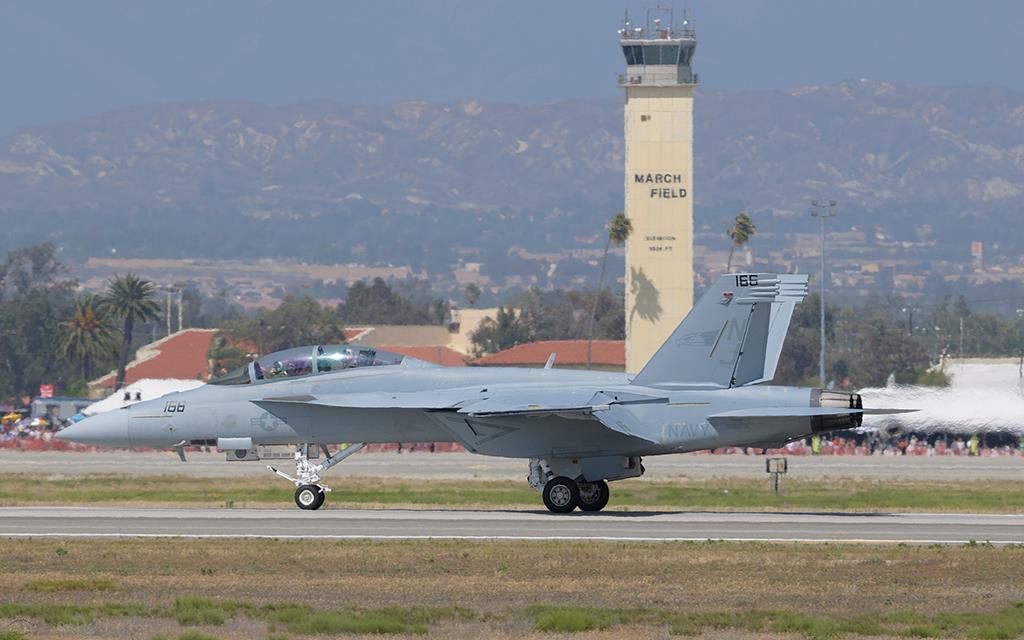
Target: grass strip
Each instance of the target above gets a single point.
(196, 611)
(1007, 622)
(746, 494)
(1004, 623)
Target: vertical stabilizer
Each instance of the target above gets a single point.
(733, 335)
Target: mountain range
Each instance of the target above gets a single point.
(418, 182)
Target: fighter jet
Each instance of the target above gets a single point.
(704, 388)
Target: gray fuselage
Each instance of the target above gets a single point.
(677, 422)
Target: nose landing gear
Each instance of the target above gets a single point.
(310, 492)
(310, 496)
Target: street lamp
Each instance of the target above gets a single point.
(172, 291)
(822, 210)
(1020, 337)
(910, 321)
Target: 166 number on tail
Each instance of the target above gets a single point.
(746, 281)
(174, 407)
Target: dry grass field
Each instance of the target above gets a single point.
(250, 589)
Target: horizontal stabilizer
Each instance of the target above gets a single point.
(785, 412)
(783, 419)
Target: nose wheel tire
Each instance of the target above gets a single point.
(594, 495)
(561, 495)
(309, 497)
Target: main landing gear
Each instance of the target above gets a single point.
(309, 491)
(567, 491)
(563, 495)
(594, 495)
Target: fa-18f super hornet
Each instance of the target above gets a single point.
(704, 388)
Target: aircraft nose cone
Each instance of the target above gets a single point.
(108, 429)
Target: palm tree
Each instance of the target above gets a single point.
(739, 234)
(618, 232)
(86, 336)
(129, 298)
(472, 293)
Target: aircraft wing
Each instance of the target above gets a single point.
(300, 411)
(427, 400)
(534, 401)
(470, 401)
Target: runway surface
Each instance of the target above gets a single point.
(459, 466)
(101, 522)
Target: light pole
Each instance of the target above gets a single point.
(1020, 336)
(910, 320)
(172, 290)
(822, 210)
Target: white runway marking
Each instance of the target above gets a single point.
(407, 524)
(502, 538)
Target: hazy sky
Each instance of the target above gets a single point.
(61, 60)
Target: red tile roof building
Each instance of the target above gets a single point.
(438, 355)
(607, 355)
(353, 334)
(180, 356)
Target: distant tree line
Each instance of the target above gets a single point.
(36, 296)
(50, 333)
(865, 344)
(301, 320)
(890, 336)
(552, 315)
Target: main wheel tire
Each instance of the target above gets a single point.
(309, 497)
(561, 495)
(594, 496)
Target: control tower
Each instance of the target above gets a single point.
(659, 83)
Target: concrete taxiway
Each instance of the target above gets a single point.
(404, 524)
(460, 466)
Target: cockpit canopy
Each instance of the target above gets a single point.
(308, 361)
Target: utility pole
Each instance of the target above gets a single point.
(181, 314)
(1020, 336)
(167, 313)
(822, 210)
(910, 320)
(961, 336)
(173, 291)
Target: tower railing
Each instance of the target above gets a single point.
(639, 33)
(626, 80)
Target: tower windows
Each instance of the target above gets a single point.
(669, 54)
(634, 54)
